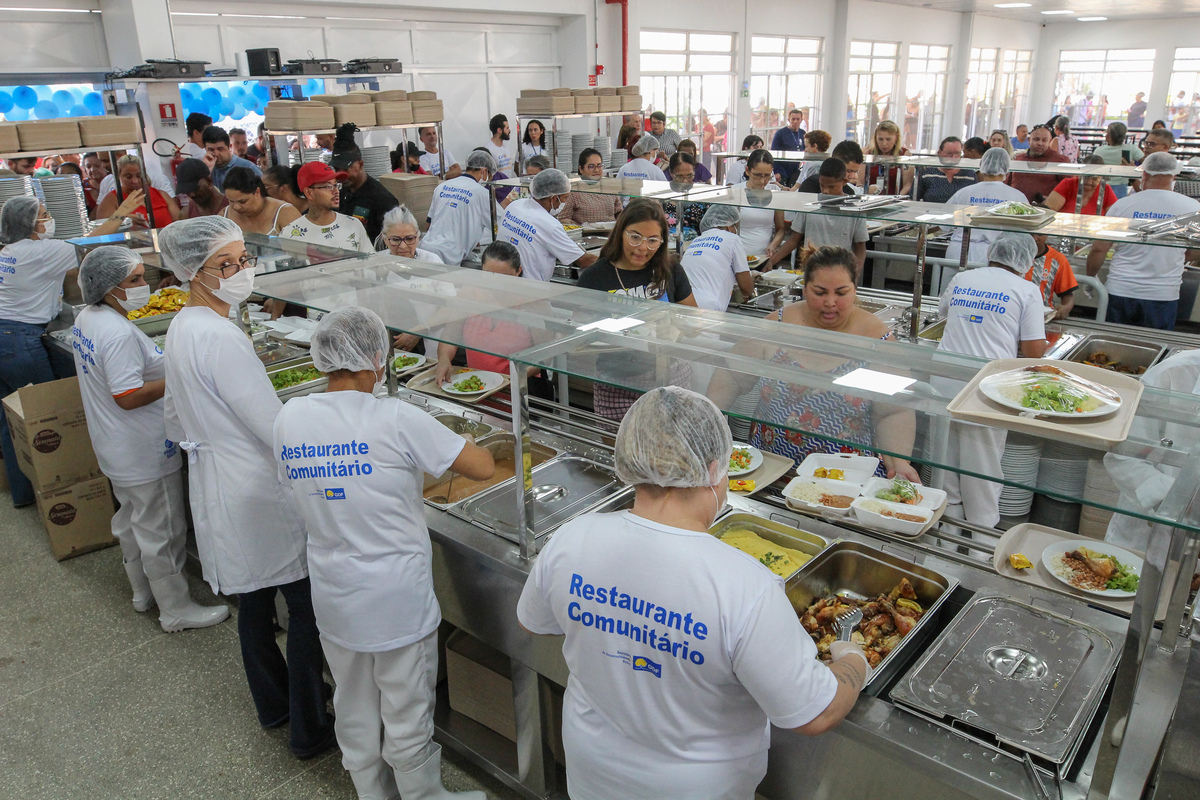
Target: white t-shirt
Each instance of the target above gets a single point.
(157, 180)
(344, 233)
(432, 162)
(459, 219)
(504, 159)
(984, 193)
(681, 649)
(641, 168)
(539, 238)
(808, 169)
(356, 465)
(989, 311)
(428, 255)
(711, 261)
(756, 230)
(114, 358)
(1143, 271)
(31, 279)
(826, 230)
(735, 171)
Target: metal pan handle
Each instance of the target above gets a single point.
(902, 552)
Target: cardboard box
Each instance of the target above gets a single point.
(48, 134)
(78, 518)
(304, 118)
(479, 679)
(361, 115)
(587, 105)
(108, 131)
(631, 102)
(608, 103)
(392, 112)
(389, 96)
(422, 95)
(10, 142)
(50, 433)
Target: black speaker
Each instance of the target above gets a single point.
(264, 61)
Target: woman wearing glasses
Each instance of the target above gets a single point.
(220, 407)
(402, 237)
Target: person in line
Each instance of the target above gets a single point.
(881, 178)
(975, 147)
(682, 174)
(688, 147)
(535, 164)
(1143, 280)
(122, 378)
(1037, 186)
(583, 208)
(826, 230)
(501, 133)
(239, 144)
(193, 180)
(258, 149)
(1063, 141)
(321, 223)
(815, 143)
(533, 143)
(402, 237)
(939, 184)
(503, 194)
(221, 408)
(1116, 152)
(94, 174)
(251, 208)
(22, 166)
(407, 158)
(735, 168)
(1158, 140)
(641, 166)
(361, 196)
(195, 125)
(627, 137)
(380, 639)
(158, 180)
(660, 723)
(221, 158)
(531, 225)
(762, 228)
(280, 183)
(1052, 274)
(668, 139)
(1065, 195)
(989, 190)
(1021, 140)
(1006, 325)
(431, 161)
(716, 260)
(789, 139)
(850, 154)
(129, 174)
(1136, 117)
(999, 138)
(460, 214)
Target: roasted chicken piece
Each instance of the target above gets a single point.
(1102, 566)
(903, 589)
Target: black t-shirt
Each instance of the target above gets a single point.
(640, 283)
(368, 205)
(812, 185)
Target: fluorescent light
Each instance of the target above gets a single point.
(194, 14)
(1012, 5)
(49, 10)
(1091, 19)
(872, 381)
(1059, 11)
(263, 16)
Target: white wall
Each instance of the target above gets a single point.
(47, 40)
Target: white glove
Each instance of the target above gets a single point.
(468, 437)
(839, 649)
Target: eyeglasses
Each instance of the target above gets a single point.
(396, 241)
(325, 187)
(637, 240)
(245, 262)
(760, 174)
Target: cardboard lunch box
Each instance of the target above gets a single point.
(78, 518)
(50, 434)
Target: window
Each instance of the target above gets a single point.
(1183, 103)
(785, 73)
(873, 71)
(925, 95)
(1096, 86)
(981, 91)
(1014, 90)
(689, 77)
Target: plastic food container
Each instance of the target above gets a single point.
(826, 486)
(893, 524)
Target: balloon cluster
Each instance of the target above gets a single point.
(233, 99)
(21, 103)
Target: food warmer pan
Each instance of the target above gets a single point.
(1137, 356)
(774, 532)
(501, 446)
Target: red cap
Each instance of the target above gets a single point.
(317, 172)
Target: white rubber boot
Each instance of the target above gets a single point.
(143, 597)
(425, 782)
(375, 784)
(177, 611)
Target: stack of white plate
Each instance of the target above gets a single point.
(618, 158)
(15, 187)
(310, 154)
(377, 160)
(604, 145)
(1064, 469)
(579, 143)
(63, 196)
(1020, 463)
(549, 138)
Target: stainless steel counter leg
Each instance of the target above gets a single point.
(535, 764)
(918, 282)
(519, 388)
(392, 382)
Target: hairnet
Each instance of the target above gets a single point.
(995, 162)
(188, 243)
(1160, 164)
(720, 217)
(671, 437)
(103, 269)
(1013, 249)
(481, 159)
(351, 338)
(646, 144)
(18, 219)
(548, 183)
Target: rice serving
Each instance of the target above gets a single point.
(806, 493)
(874, 506)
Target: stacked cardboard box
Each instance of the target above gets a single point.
(414, 191)
(546, 105)
(426, 110)
(48, 134)
(391, 112)
(108, 131)
(10, 142)
(362, 115)
(422, 95)
(299, 115)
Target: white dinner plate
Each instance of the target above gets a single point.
(491, 380)
(1127, 558)
(993, 385)
(756, 460)
(420, 362)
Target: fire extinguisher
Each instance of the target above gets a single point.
(175, 153)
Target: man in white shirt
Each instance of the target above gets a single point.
(322, 224)
(498, 125)
(642, 164)
(821, 230)
(990, 190)
(196, 124)
(1143, 281)
(460, 215)
(530, 226)
(431, 159)
(717, 258)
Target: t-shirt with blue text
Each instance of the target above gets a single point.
(1143, 271)
(984, 193)
(989, 311)
(539, 238)
(460, 216)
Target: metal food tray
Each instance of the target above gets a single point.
(856, 571)
(774, 532)
(299, 389)
(460, 425)
(500, 445)
(1123, 350)
(156, 324)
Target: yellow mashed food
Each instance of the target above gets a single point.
(783, 561)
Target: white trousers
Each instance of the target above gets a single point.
(976, 449)
(384, 705)
(152, 525)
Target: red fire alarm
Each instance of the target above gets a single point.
(599, 69)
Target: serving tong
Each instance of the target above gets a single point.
(845, 624)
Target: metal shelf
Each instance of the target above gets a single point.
(97, 148)
(362, 129)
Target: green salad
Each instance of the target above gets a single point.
(291, 377)
(1123, 580)
(471, 384)
(1056, 396)
(901, 491)
(404, 362)
(1015, 209)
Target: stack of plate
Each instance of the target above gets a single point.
(15, 187)
(1098, 488)
(64, 200)
(377, 160)
(1064, 469)
(604, 145)
(1020, 463)
(579, 143)
(310, 154)
(618, 158)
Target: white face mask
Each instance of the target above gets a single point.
(554, 212)
(379, 388)
(49, 232)
(236, 289)
(135, 298)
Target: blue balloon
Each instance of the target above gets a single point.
(224, 108)
(76, 93)
(254, 105)
(44, 92)
(79, 110)
(24, 97)
(238, 113)
(46, 109)
(237, 94)
(94, 103)
(6, 102)
(17, 114)
(63, 99)
(261, 92)
(211, 97)
(315, 86)
(186, 96)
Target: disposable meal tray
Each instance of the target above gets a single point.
(774, 532)
(426, 383)
(1104, 433)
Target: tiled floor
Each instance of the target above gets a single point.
(97, 702)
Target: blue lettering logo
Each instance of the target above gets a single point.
(643, 664)
(335, 494)
(976, 318)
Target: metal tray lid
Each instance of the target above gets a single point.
(1027, 676)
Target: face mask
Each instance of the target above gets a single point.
(49, 233)
(236, 289)
(135, 298)
(380, 380)
(554, 212)
(720, 505)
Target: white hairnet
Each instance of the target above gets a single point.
(720, 217)
(351, 338)
(672, 437)
(481, 159)
(548, 183)
(646, 144)
(1013, 249)
(1161, 164)
(103, 269)
(18, 218)
(994, 162)
(188, 243)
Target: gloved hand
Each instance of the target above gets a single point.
(840, 649)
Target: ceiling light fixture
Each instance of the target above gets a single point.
(1091, 19)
